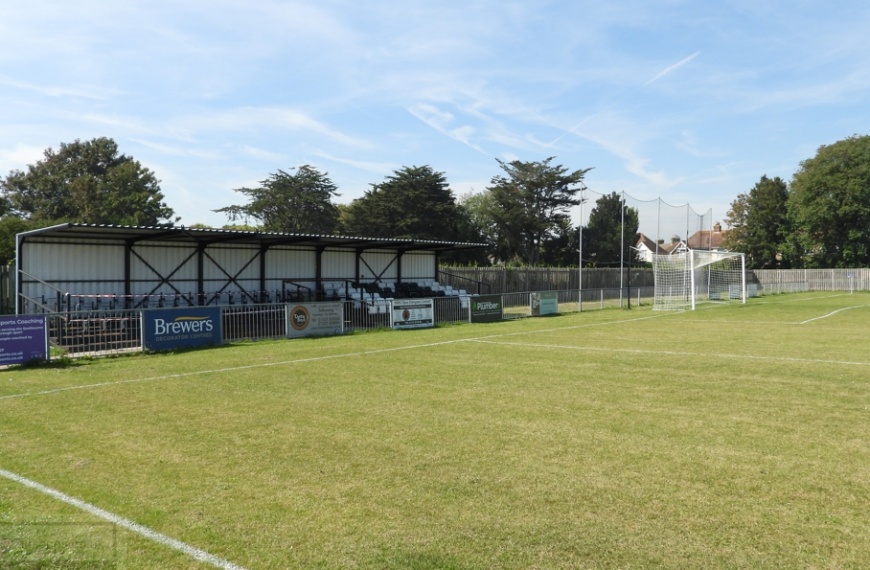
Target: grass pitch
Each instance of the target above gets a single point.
(728, 437)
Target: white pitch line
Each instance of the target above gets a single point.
(311, 359)
(833, 313)
(162, 539)
(675, 353)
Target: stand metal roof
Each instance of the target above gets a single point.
(210, 236)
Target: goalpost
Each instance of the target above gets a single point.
(684, 279)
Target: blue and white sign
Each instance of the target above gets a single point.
(23, 339)
(169, 329)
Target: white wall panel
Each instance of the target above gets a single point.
(73, 262)
(178, 261)
(418, 265)
(286, 263)
(290, 264)
(339, 264)
(239, 262)
(378, 264)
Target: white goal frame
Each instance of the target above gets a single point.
(685, 278)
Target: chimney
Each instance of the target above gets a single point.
(717, 228)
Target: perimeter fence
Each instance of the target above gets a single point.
(117, 331)
(516, 290)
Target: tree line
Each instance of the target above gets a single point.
(523, 215)
(820, 219)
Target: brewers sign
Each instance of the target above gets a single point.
(168, 329)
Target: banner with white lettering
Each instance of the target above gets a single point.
(168, 329)
(315, 319)
(487, 309)
(413, 313)
(23, 339)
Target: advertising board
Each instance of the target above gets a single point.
(23, 338)
(487, 309)
(413, 313)
(315, 319)
(544, 303)
(169, 329)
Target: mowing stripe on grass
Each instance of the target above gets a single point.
(674, 353)
(314, 359)
(137, 528)
(221, 370)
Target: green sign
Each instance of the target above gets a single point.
(487, 309)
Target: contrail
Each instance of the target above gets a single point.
(673, 67)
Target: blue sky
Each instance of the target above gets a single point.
(687, 101)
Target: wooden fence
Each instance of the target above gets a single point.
(496, 280)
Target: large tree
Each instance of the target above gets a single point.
(529, 204)
(561, 249)
(735, 238)
(829, 206)
(298, 202)
(478, 209)
(413, 202)
(611, 232)
(10, 226)
(87, 182)
(764, 227)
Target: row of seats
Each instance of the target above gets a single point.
(98, 302)
(375, 295)
(372, 294)
(389, 289)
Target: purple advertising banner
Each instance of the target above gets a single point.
(23, 338)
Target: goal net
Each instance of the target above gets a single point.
(684, 279)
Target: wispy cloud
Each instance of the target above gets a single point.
(178, 151)
(216, 94)
(671, 68)
(93, 92)
(268, 119)
(16, 157)
(440, 121)
(367, 166)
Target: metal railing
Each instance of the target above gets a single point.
(95, 332)
(119, 330)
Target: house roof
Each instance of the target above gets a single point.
(656, 248)
(708, 239)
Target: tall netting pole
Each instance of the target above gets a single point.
(691, 267)
(622, 249)
(580, 256)
(583, 189)
(657, 251)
